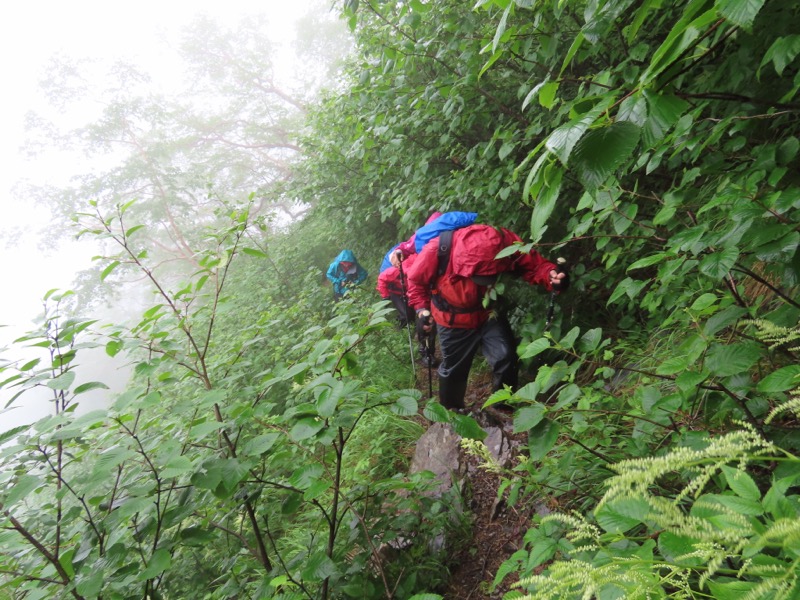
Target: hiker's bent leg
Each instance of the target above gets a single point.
(500, 350)
(458, 349)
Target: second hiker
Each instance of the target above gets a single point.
(449, 286)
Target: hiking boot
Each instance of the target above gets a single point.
(451, 393)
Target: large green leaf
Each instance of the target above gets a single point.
(781, 248)
(649, 260)
(158, 563)
(196, 536)
(24, 485)
(233, 473)
(467, 427)
(328, 400)
(590, 340)
(201, 430)
(260, 444)
(541, 438)
(544, 189)
(739, 12)
(730, 589)
(177, 465)
(90, 584)
(601, 151)
(62, 382)
(739, 505)
(306, 428)
(783, 379)
(528, 417)
(92, 385)
(563, 139)
(741, 483)
(111, 458)
(535, 347)
(319, 567)
(663, 112)
(678, 548)
(782, 52)
(135, 505)
(718, 264)
(724, 360)
(405, 406)
(304, 476)
(622, 514)
(683, 34)
(435, 412)
(11, 433)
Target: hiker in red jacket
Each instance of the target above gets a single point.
(392, 285)
(454, 298)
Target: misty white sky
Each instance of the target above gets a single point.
(32, 32)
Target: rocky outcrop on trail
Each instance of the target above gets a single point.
(496, 530)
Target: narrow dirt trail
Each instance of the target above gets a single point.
(497, 529)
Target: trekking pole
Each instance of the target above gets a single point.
(405, 304)
(551, 309)
(430, 350)
(429, 347)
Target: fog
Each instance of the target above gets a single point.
(33, 262)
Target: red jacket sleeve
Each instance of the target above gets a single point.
(421, 274)
(383, 284)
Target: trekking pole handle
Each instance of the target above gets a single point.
(561, 265)
(561, 262)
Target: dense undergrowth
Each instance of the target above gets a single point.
(260, 449)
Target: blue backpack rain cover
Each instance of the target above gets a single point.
(447, 222)
(386, 260)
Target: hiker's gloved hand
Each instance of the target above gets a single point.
(559, 278)
(424, 322)
(396, 258)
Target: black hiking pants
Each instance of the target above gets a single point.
(402, 308)
(458, 350)
(406, 315)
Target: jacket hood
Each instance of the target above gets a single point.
(346, 256)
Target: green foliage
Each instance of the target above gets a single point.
(652, 144)
(718, 535)
(655, 144)
(216, 467)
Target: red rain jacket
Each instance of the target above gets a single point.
(472, 254)
(389, 279)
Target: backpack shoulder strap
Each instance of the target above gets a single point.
(445, 242)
